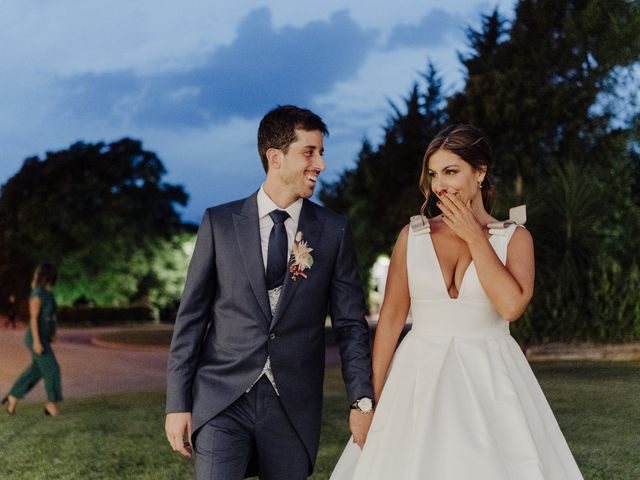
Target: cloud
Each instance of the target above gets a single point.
(259, 69)
(435, 29)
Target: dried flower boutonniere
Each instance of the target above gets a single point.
(301, 258)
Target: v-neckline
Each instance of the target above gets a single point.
(442, 278)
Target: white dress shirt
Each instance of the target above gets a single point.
(265, 207)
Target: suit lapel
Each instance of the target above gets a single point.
(247, 229)
(310, 226)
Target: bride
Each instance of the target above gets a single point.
(458, 400)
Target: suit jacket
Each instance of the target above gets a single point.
(224, 329)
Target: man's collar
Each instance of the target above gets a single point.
(266, 206)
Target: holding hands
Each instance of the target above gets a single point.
(460, 217)
(359, 424)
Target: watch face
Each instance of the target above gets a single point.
(365, 405)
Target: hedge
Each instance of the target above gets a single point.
(103, 316)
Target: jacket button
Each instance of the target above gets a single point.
(272, 336)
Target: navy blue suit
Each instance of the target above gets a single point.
(224, 330)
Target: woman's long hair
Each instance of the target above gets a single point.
(470, 144)
(45, 274)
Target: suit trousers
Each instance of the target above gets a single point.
(254, 426)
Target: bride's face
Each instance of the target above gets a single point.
(451, 174)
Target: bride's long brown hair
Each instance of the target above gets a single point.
(470, 144)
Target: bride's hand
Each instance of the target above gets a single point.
(460, 218)
(359, 424)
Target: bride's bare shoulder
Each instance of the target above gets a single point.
(404, 234)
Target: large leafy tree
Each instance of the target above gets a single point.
(97, 210)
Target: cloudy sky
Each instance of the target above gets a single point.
(192, 79)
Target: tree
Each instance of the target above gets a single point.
(92, 209)
(381, 192)
(550, 91)
(586, 265)
(554, 93)
(546, 88)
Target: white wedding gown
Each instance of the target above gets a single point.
(460, 401)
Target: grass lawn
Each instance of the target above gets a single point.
(122, 436)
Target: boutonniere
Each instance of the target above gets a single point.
(301, 258)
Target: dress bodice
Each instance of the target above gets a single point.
(433, 311)
(459, 400)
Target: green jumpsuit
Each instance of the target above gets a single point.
(43, 365)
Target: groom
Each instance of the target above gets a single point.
(246, 363)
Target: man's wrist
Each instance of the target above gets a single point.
(363, 405)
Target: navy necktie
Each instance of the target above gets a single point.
(277, 252)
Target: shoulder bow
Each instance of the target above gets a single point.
(419, 224)
(517, 216)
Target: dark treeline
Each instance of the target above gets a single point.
(102, 213)
(554, 91)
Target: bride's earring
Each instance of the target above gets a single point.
(479, 184)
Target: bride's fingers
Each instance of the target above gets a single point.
(456, 203)
(462, 208)
(445, 199)
(446, 210)
(444, 203)
(455, 209)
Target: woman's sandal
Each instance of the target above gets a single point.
(49, 414)
(5, 402)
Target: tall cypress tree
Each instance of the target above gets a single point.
(381, 192)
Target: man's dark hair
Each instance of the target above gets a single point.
(278, 128)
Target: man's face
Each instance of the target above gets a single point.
(302, 164)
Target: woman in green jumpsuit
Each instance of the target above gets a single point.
(38, 338)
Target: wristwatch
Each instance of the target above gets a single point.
(363, 405)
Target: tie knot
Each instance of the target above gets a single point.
(278, 216)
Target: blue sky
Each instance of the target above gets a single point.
(192, 79)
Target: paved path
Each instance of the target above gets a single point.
(88, 370)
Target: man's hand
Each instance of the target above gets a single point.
(359, 424)
(176, 426)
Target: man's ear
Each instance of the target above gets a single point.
(274, 158)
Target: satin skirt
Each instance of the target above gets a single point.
(460, 407)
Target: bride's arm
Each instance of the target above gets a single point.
(510, 286)
(393, 313)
